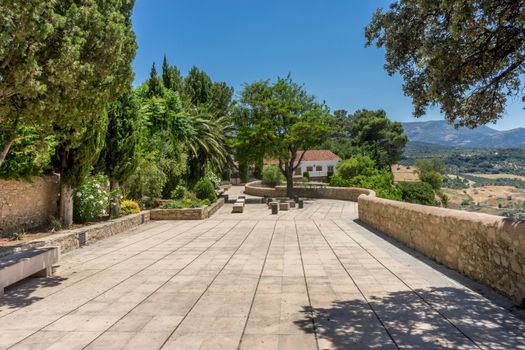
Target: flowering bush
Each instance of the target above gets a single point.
(90, 199)
(129, 207)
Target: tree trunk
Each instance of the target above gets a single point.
(114, 209)
(289, 181)
(66, 204)
(7, 146)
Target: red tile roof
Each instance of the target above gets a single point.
(309, 156)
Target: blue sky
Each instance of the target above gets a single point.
(320, 42)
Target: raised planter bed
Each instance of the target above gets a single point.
(201, 213)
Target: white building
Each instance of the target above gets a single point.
(318, 163)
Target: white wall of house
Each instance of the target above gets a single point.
(317, 168)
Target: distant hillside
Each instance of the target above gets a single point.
(441, 133)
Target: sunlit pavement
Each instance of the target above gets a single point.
(309, 278)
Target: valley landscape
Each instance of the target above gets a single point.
(485, 168)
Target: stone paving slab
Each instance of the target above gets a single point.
(309, 278)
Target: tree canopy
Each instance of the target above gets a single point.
(465, 56)
(278, 120)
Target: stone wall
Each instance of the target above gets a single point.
(187, 213)
(69, 240)
(489, 249)
(342, 193)
(28, 204)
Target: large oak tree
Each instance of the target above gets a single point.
(466, 56)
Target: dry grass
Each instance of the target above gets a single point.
(403, 174)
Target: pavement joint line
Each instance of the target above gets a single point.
(107, 290)
(102, 270)
(311, 312)
(209, 285)
(167, 281)
(257, 286)
(409, 287)
(356, 285)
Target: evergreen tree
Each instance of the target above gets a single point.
(198, 87)
(155, 85)
(119, 157)
(171, 77)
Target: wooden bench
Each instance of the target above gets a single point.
(284, 206)
(36, 262)
(238, 207)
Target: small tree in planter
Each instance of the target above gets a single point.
(272, 176)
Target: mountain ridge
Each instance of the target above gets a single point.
(441, 133)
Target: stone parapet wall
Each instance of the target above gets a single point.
(69, 240)
(256, 188)
(489, 249)
(28, 204)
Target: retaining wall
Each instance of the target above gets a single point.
(487, 248)
(28, 204)
(72, 239)
(187, 213)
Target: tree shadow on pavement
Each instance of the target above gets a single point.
(438, 318)
(21, 293)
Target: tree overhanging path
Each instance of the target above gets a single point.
(305, 279)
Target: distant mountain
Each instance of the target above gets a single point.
(441, 133)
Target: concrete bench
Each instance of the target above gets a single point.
(36, 262)
(238, 208)
(284, 206)
(292, 203)
(242, 201)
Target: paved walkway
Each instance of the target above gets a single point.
(306, 279)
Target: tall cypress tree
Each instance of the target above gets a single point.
(155, 88)
(171, 77)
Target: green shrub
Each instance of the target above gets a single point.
(215, 180)
(129, 207)
(338, 181)
(417, 192)
(204, 189)
(90, 199)
(357, 166)
(272, 176)
(186, 203)
(306, 175)
(146, 182)
(179, 192)
(433, 178)
(383, 185)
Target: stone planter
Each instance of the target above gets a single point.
(200, 213)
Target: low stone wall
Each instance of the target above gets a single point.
(256, 188)
(69, 240)
(187, 213)
(28, 204)
(489, 249)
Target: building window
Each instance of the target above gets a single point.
(319, 168)
(298, 171)
(331, 169)
(309, 168)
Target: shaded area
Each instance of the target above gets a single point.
(20, 294)
(405, 320)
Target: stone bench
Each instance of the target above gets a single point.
(238, 207)
(36, 262)
(284, 206)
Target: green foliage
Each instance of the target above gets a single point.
(198, 87)
(129, 207)
(155, 85)
(382, 183)
(368, 133)
(179, 192)
(90, 199)
(120, 156)
(186, 203)
(455, 182)
(171, 77)
(276, 121)
(357, 166)
(16, 236)
(147, 181)
(433, 178)
(215, 180)
(30, 154)
(59, 70)
(482, 181)
(272, 176)
(417, 192)
(431, 165)
(204, 189)
(465, 56)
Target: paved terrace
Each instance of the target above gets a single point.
(306, 279)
